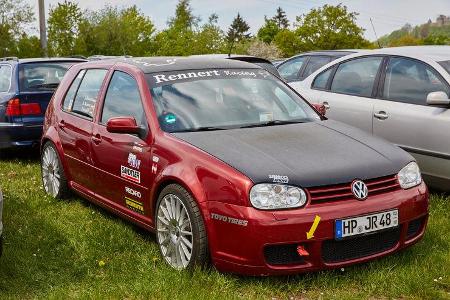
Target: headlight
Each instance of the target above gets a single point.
(276, 196)
(410, 176)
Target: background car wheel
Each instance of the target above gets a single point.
(53, 177)
(181, 233)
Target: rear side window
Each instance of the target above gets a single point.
(35, 77)
(410, 81)
(356, 77)
(5, 78)
(123, 99)
(445, 65)
(322, 79)
(88, 91)
(70, 96)
(314, 64)
(289, 70)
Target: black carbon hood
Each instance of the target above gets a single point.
(309, 154)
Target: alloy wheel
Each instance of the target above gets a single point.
(51, 172)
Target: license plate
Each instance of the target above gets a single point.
(366, 224)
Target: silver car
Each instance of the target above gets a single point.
(401, 94)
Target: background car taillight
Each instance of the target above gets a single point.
(16, 109)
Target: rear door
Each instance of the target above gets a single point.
(76, 124)
(349, 93)
(403, 117)
(314, 63)
(291, 69)
(117, 155)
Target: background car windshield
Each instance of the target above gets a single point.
(42, 76)
(226, 102)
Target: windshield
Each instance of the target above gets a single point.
(42, 76)
(445, 65)
(224, 99)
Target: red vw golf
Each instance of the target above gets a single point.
(224, 161)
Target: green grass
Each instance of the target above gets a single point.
(56, 249)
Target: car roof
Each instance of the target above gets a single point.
(37, 60)
(168, 64)
(434, 53)
(337, 53)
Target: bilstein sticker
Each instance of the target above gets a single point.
(229, 219)
(279, 178)
(130, 174)
(134, 205)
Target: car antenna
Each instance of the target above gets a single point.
(373, 27)
(233, 41)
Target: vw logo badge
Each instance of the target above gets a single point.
(360, 190)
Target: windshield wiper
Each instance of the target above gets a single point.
(205, 128)
(272, 123)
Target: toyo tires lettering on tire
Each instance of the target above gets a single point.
(53, 176)
(181, 233)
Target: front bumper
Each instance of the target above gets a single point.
(19, 135)
(248, 241)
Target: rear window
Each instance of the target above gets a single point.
(5, 78)
(44, 76)
(445, 65)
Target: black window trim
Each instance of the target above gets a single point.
(91, 119)
(302, 68)
(301, 76)
(383, 78)
(336, 66)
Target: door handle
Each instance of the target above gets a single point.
(62, 124)
(96, 139)
(326, 105)
(381, 115)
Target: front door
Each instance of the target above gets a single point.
(123, 161)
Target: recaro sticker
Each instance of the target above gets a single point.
(133, 193)
(130, 174)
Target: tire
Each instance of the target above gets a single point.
(53, 177)
(180, 230)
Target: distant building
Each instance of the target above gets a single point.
(442, 20)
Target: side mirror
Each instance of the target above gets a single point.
(123, 125)
(321, 109)
(438, 98)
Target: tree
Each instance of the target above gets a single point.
(261, 49)
(268, 32)
(210, 39)
(281, 19)
(330, 27)
(29, 46)
(63, 28)
(15, 15)
(238, 30)
(184, 18)
(288, 42)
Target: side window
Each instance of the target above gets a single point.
(322, 79)
(86, 97)
(123, 99)
(314, 64)
(356, 77)
(5, 78)
(410, 81)
(290, 69)
(70, 96)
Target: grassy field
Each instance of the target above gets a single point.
(72, 249)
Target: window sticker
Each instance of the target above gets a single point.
(266, 117)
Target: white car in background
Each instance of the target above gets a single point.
(400, 94)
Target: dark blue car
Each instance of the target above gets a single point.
(26, 86)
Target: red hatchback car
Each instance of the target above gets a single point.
(225, 162)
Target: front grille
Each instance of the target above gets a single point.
(338, 251)
(282, 255)
(413, 228)
(344, 191)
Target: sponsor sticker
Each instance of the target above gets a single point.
(279, 178)
(155, 164)
(134, 205)
(133, 193)
(229, 219)
(133, 161)
(130, 174)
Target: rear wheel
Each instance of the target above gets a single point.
(53, 177)
(181, 233)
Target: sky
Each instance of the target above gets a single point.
(387, 15)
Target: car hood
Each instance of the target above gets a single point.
(305, 154)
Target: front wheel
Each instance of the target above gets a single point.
(181, 233)
(53, 177)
